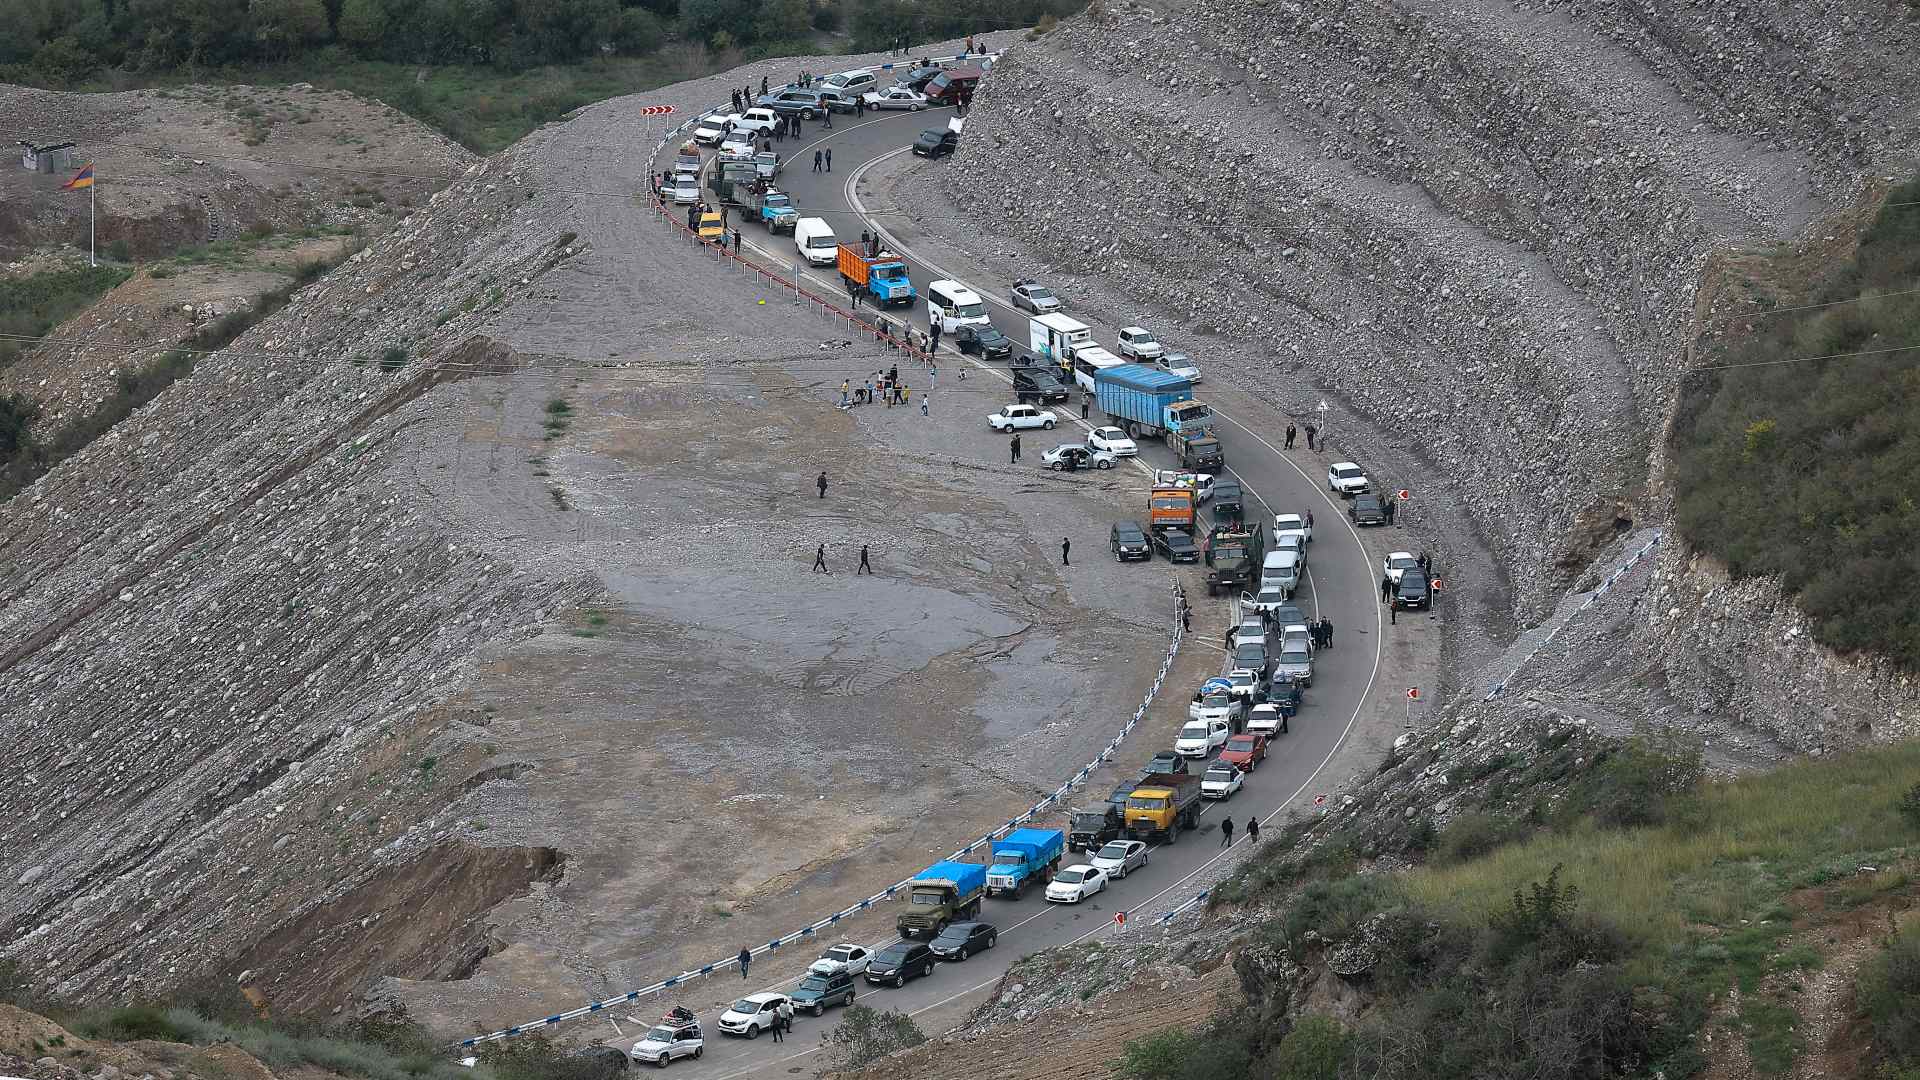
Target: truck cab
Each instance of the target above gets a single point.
(1162, 806)
(948, 891)
(1170, 508)
(1023, 856)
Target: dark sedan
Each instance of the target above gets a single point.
(1413, 591)
(1176, 545)
(962, 939)
(985, 341)
(1129, 542)
(919, 77)
(934, 143)
(1368, 510)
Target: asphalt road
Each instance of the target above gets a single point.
(1341, 584)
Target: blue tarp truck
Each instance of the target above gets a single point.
(945, 892)
(1022, 857)
(1150, 402)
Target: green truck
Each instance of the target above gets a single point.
(948, 891)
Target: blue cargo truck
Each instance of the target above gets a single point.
(1150, 402)
(1023, 857)
(945, 892)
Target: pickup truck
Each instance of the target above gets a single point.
(882, 276)
(948, 891)
(1162, 805)
(1089, 829)
(1022, 857)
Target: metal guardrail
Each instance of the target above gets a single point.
(1500, 687)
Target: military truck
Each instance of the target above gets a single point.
(1229, 562)
(1090, 828)
(948, 891)
(1162, 805)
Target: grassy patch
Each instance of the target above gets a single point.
(1833, 444)
(32, 305)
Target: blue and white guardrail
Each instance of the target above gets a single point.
(1500, 687)
(807, 932)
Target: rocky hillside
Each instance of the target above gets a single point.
(1482, 229)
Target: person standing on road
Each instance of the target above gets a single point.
(933, 338)
(1393, 611)
(1253, 830)
(923, 403)
(1226, 832)
(763, 84)
(1066, 545)
(779, 1028)
(826, 121)
(1186, 619)
(1326, 628)
(822, 484)
(846, 391)
(1386, 588)
(820, 560)
(1309, 521)
(865, 566)
(829, 150)
(1290, 431)
(1391, 504)
(736, 239)
(786, 1014)
(746, 958)
(860, 107)
(816, 161)
(1013, 449)
(1086, 403)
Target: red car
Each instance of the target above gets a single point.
(1245, 751)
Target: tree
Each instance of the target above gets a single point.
(781, 20)
(363, 23)
(865, 1036)
(705, 18)
(64, 61)
(638, 32)
(1316, 1047)
(285, 27)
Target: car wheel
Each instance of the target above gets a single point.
(1048, 425)
(819, 1008)
(697, 1051)
(753, 1031)
(806, 114)
(1103, 464)
(661, 1061)
(992, 940)
(849, 997)
(900, 980)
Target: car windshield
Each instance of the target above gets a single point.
(1179, 541)
(1243, 678)
(1239, 742)
(814, 982)
(1216, 701)
(1013, 858)
(1270, 596)
(1403, 562)
(1347, 473)
(1293, 658)
(1252, 652)
(969, 311)
(1115, 850)
(746, 1005)
(1144, 339)
(1194, 731)
(1039, 292)
(1071, 877)
(1220, 774)
(1366, 502)
(659, 1034)
(956, 932)
(1146, 802)
(893, 954)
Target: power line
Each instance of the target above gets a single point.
(1829, 303)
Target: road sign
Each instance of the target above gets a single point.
(1403, 494)
(1438, 584)
(656, 110)
(1119, 918)
(1413, 693)
(1319, 800)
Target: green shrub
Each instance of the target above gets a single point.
(1636, 783)
(1471, 835)
(32, 305)
(1888, 989)
(1832, 444)
(1910, 806)
(1316, 1048)
(866, 1035)
(393, 360)
(132, 1022)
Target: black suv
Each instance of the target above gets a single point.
(987, 340)
(899, 962)
(919, 77)
(1228, 503)
(1032, 384)
(1367, 510)
(934, 143)
(1166, 761)
(1413, 590)
(1129, 542)
(818, 991)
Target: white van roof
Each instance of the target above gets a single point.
(813, 224)
(959, 292)
(1282, 557)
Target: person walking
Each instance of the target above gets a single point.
(736, 240)
(746, 958)
(786, 1014)
(1386, 588)
(1311, 432)
(826, 120)
(1186, 619)
(865, 566)
(816, 161)
(1290, 431)
(1013, 449)
(1226, 832)
(822, 485)
(1253, 830)
(1326, 628)
(1425, 568)
(933, 369)
(829, 149)
(923, 403)
(723, 215)
(1309, 520)
(820, 560)
(1393, 612)
(1066, 545)
(763, 84)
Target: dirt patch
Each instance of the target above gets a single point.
(419, 920)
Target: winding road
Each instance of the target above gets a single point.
(1341, 584)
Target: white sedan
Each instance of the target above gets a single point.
(1081, 457)
(1021, 417)
(895, 97)
(1076, 883)
(851, 959)
(739, 141)
(1180, 364)
(1202, 737)
(1221, 781)
(1113, 441)
(1120, 857)
(1397, 563)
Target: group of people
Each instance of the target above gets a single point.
(1312, 434)
(1226, 831)
(887, 384)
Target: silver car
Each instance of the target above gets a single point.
(1034, 297)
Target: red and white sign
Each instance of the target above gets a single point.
(656, 110)
(1403, 494)
(1119, 918)
(1438, 584)
(1319, 800)
(1413, 693)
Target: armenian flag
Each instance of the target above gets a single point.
(81, 179)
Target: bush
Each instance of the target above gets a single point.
(1223, 1050)
(1472, 835)
(1888, 989)
(1636, 783)
(865, 1035)
(32, 305)
(1832, 443)
(132, 1022)
(1910, 806)
(393, 360)
(1316, 1048)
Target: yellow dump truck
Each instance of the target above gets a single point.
(1162, 805)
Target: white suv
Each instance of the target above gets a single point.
(1346, 478)
(1136, 343)
(752, 1014)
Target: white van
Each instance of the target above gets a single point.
(815, 240)
(1088, 359)
(953, 305)
(852, 83)
(1280, 570)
